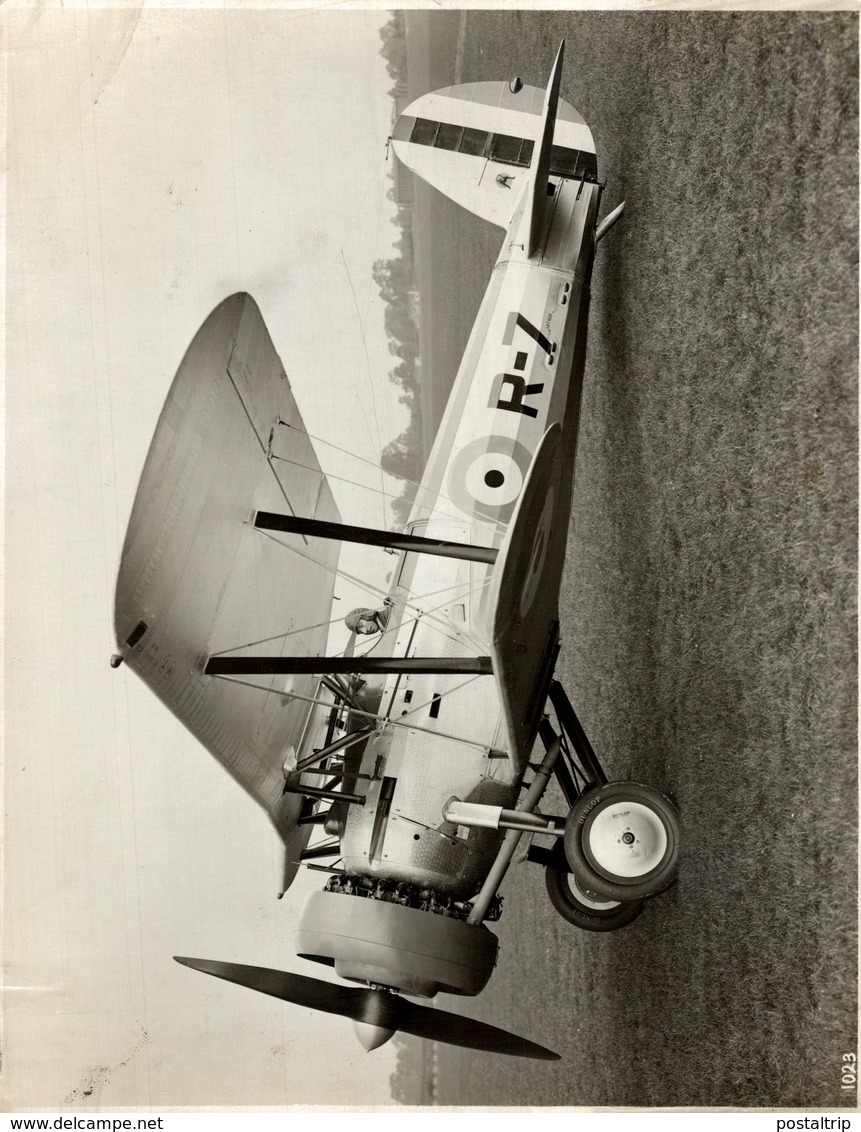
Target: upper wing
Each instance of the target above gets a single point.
(196, 578)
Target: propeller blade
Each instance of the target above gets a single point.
(316, 994)
(443, 1026)
(372, 1008)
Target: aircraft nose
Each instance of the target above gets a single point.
(372, 1036)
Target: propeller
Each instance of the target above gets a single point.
(378, 1013)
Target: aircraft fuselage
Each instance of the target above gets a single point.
(521, 372)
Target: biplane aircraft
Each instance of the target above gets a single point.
(402, 768)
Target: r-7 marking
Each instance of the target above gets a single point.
(517, 319)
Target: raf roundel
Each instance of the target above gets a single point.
(486, 477)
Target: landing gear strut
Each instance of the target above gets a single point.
(620, 841)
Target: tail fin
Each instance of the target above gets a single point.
(484, 145)
(539, 170)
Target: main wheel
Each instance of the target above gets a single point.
(621, 841)
(582, 910)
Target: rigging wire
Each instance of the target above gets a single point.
(441, 626)
(360, 714)
(382, 164)
(337, 571)
(380, 176)
(434, 623)
(278, 636)
(369, 587)
(375, 181)
(354, 455)
(437, 697)
(332, 476)
(396, 475)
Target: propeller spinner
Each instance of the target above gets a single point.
(377, 1014)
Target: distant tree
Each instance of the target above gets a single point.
(402, 331)
(403, 456)
(403, 505)
(395, 279)
(394, 49)
(406, 1081)
(405, 375)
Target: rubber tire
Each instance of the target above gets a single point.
(610, 886)
(564, 900)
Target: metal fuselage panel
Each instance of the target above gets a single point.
(521, 373)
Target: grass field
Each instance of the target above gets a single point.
(708, 609)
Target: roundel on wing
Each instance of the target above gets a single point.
(486, 477)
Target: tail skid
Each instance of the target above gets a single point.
(608, 222)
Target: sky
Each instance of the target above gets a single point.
(158, 161)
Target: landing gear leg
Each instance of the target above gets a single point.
(621, 838)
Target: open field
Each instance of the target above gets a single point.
(708, 611)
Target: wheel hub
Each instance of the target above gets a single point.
(626, 839)
(589, 901)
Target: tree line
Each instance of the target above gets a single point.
(396, 281)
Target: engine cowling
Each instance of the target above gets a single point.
(386, 944)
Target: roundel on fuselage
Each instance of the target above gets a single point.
(486, 477)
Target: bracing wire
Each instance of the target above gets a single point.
(278, 636)
(442, 625)
(433, 622)
(439, 696)
(382, 197)
(369, 587)
(377, 591)
(395, 475)
(360, 714)
(332, 476)
(340, 573)
(354, 455)
(439, 512)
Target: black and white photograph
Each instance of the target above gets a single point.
(430, 558)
